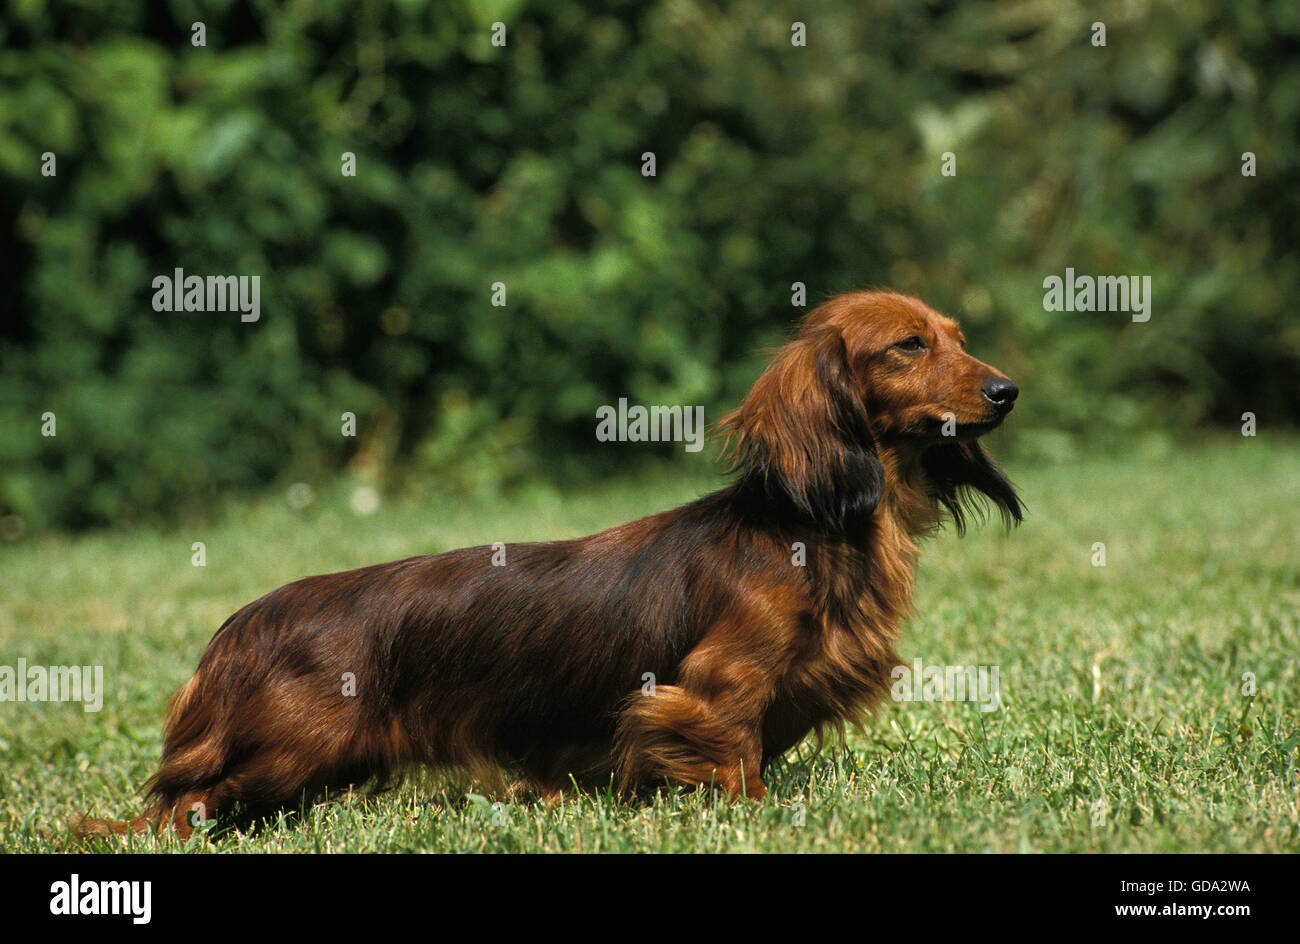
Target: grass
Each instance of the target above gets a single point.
(1123, 725)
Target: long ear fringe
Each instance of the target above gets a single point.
(801, 437)
(966, 481)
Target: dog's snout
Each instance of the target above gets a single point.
(1000, 391)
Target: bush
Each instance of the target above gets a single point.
(478, 164)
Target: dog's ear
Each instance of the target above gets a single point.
(963, 478)
(802, 435)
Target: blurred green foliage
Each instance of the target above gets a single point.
(479, 164)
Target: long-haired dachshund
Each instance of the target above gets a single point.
(764, 612)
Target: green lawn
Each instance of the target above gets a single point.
(1123, 724)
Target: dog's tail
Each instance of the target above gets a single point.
(194, 756)
(255, 730)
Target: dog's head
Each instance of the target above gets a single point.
(869, 372)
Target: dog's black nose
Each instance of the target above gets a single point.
(1000, 392)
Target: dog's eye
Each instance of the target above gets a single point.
(911, 345)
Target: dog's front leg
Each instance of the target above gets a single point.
(706, 730)
(680, 737)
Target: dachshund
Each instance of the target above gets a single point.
(692, 647)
